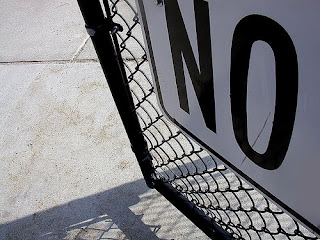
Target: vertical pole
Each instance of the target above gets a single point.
(99, 28)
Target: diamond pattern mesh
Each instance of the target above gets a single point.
(228, 200)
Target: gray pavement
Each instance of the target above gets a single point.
(67, 170)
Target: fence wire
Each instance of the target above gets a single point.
(228, 200)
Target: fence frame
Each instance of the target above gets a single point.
(102, 31)
(104, 35)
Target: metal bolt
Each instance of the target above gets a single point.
(114, 30)
(158, 2)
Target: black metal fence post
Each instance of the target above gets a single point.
(216, 200)
(102, 32)
(101, 29)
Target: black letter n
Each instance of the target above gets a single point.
(202, 80)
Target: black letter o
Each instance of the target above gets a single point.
(250, 29)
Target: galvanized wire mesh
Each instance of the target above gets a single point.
(228, 200)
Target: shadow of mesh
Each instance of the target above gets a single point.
(228, 200)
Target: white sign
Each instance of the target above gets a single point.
(242, 78)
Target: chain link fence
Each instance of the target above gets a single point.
(229, 201)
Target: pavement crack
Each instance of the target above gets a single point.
(80, 49)
(49, 62)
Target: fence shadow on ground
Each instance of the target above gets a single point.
(105, 215)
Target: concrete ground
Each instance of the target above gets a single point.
(67, 170)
